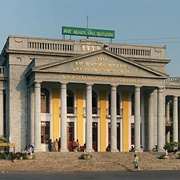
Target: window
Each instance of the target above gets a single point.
(132, 133)
(45, 132)
(94, 103)
(44, 101)
(70, 102)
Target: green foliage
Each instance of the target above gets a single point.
(18, 155)
(2, 139)
(161, 156)
(2, 156)
(171, 146)
(85, 156)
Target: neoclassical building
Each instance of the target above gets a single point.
(81, 89)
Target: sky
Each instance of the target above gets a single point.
(141, 22)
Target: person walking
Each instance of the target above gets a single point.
(136, 163)
(77, 144)
(50, 145)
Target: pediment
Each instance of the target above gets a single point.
(101, 62)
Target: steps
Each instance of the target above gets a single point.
(101, 161)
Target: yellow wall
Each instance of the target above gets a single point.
(103, 121)
(79, 102)
(125, 123)
(56, 112)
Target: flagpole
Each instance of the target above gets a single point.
(87, 26)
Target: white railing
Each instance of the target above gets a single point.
(173, 80)
(130, 51)
(50, 46)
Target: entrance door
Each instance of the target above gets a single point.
(118, 135)
(95, 136)
(70, 135)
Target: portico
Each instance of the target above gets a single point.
(117, 85)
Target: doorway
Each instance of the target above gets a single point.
(95, 136)
(118, 135)
(70, 135)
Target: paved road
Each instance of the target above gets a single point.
(164, 175)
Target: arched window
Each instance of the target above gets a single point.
(117, 104)
(132, 104)
(70, 102)
(44, 101)
(94, 103)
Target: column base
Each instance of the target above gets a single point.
(37, 150)
(138, 150)
(161, 150)
(64, 150)
(114, 150)
(89, 150)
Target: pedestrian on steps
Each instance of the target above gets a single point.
(136, 163)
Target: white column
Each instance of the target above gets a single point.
(37, 116)
(31, 115)
(175, 119)
(63, 114)
(113, 119)
(137, 119)
(1, 112)
(89, 118)
(160, 121)
(144, 122)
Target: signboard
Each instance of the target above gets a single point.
(88, 32)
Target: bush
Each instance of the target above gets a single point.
(171, 146)
(161, 156)
(2, 140)
(2, 156)
(178, 156)
(18, 155)
(85, 156)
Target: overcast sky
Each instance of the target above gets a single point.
(143, 22)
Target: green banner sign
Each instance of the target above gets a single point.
(88, 32)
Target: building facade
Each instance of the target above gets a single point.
(67, 89)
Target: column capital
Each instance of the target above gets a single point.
(1, 91)
(113, 87)
(89, 84)
(160, 89)
(37, 84)
(137, 87)
(37, 81)
(64, 82)
(63, 85)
